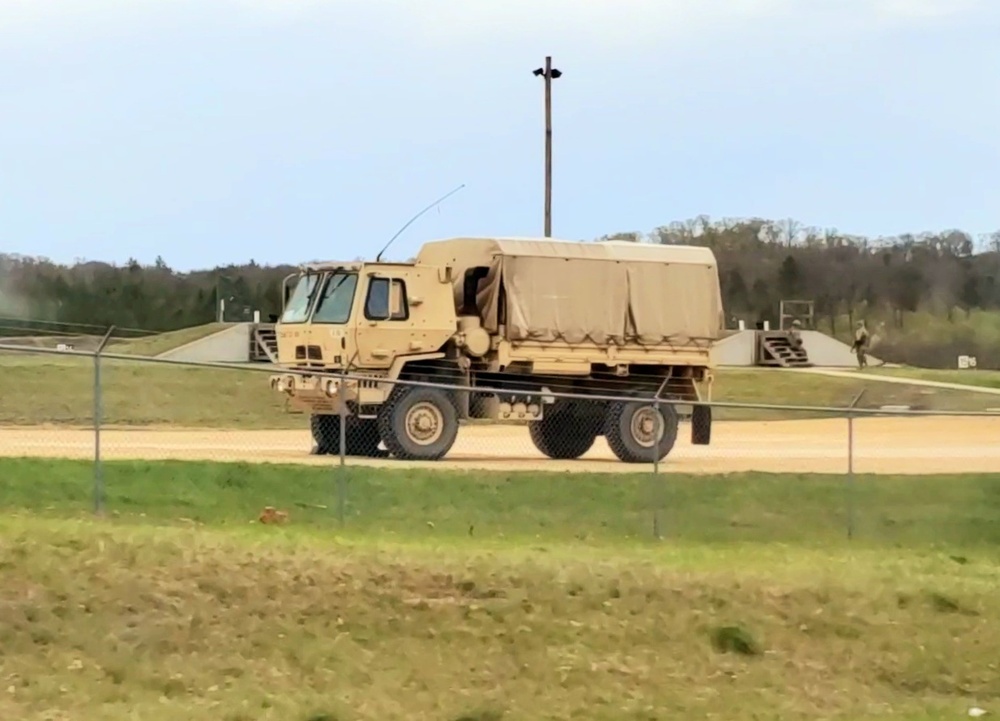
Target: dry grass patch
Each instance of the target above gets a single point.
(125, 622)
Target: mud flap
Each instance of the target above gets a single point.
(463, 404)
(701, 425)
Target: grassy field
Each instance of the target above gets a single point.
(460, 597)
(45, 389)
(523, 506)
(979, 378)
(38, 390)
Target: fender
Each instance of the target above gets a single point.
(400, 362)
(386, 386)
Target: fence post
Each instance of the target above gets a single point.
(657, 490)
(341, 482)
(98, 409)
(850, 465)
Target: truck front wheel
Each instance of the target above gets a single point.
(636, 435)
(566, 430)
(418, 424)
(361, 436)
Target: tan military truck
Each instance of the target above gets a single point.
(492, 327)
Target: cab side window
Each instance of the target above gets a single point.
(386, 300)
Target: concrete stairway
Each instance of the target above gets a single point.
(263, 344)
(775, 350)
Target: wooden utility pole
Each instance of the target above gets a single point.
(548, 73)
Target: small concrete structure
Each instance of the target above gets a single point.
(828, 352)
(230, 345)
(740, 349)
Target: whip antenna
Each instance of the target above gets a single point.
(411, 220)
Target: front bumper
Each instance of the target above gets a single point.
(315, 393)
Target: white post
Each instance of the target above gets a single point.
(256, 316)
(743, 325)
(222, 309)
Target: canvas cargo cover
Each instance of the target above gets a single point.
(607, 293)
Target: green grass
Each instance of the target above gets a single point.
(559, 605)
(978, 378)
(490, 507)
(807, 389)
(162, 342)
(48, 389)
(39, 390)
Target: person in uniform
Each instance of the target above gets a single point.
(860, 346)
(795, 334)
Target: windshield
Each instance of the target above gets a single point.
(297, 308)
(335, 302)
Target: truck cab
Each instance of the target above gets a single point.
(362, 316)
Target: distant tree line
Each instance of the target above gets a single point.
(133, 296)
(926, 296)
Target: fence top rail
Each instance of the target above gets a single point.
(275, 370)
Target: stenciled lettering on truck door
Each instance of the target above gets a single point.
(384, 327)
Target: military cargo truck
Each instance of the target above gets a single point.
(492, 328)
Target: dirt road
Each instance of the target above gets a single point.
(882, 445)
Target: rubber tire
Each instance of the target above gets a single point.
(624, 446)
(563, 432)
(392, 423)
(325, 434)
(361, 439)
(701, 425)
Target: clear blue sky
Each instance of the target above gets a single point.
(215, 131)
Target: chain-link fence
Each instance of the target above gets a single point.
(216, 443)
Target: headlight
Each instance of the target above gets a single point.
(280, 385)
(331, 388)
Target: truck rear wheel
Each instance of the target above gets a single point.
(566, 431)
(418, 424)
(360, 439)
(631, 429)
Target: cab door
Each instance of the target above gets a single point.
(384, 326)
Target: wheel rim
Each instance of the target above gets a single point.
(646, 427)
(424, 423)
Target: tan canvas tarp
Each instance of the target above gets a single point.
(673, 303)
(550, 299)
(604, 293)
(573, 300)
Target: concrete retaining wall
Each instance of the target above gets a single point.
(231, 345)
(739, 350)
(736, 350)
(827, 352)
